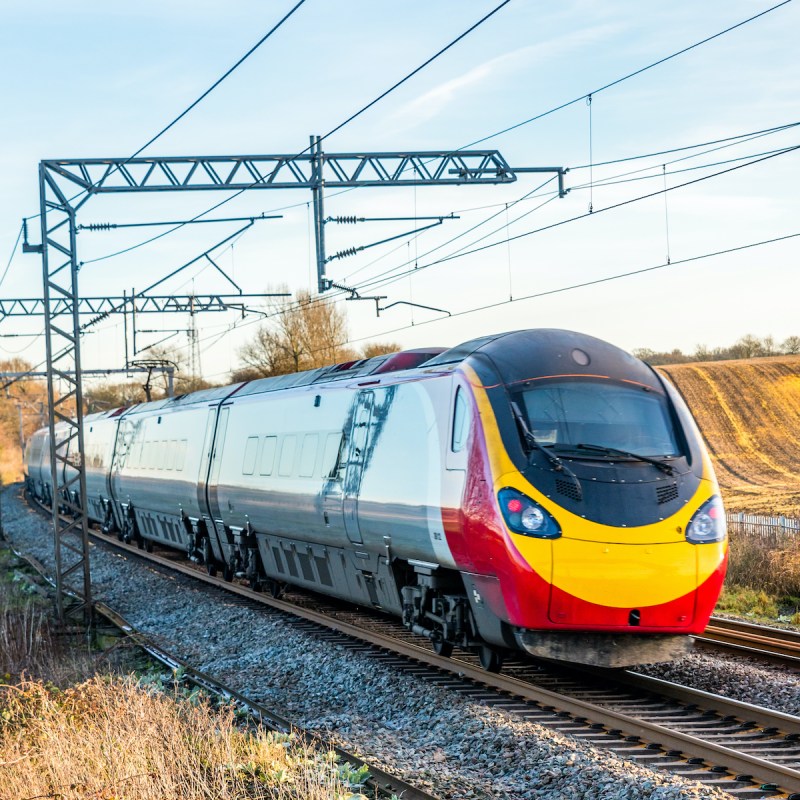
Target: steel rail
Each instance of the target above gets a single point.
(735, 762)
(741, 636)
(746, 712)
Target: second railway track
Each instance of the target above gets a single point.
(761, 641)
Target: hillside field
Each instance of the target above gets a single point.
(749, 413)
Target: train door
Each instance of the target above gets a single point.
(216, 427)
(216, 462)
(356, 461)
(205, 461)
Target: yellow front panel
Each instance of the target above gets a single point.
(624, 576)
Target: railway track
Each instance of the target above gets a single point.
(746, 638)
(747, 751)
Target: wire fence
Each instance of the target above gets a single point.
(740, 523)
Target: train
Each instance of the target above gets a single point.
(538, 490)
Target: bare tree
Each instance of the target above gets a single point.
(373, 349)
(305, 334)
(791, 345)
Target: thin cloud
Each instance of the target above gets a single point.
(436, 100)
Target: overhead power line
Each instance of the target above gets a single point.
(219, 80)
(322, 138)
(376, 282)
(630, 75)
(584, 284)
(415, 71)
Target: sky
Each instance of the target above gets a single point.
(95, 79)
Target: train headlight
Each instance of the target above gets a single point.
(708, 523)
(524, 516)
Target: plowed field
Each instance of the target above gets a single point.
(749, 414)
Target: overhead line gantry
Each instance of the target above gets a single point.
(63, 306)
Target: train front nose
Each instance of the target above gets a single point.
(609, 585)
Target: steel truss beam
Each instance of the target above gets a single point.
(302, 171)
(145, 304)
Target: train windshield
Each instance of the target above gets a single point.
(599, 415)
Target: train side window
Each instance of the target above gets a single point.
(460, 422)
(286, 462)
(172, 449)
(268, 455)
(180, 456)
(250, 453)
(308, 455)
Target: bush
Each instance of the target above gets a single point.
(766, 564)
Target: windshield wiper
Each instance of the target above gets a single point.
(533, 442)
(597, 448)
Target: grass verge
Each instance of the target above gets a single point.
(74, 725)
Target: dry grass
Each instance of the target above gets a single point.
(110, 739)
(768, 564)
(763, 579)
(749, 414)
(102, 737)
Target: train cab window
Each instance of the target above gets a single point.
(268, 455)
(286, 461)
(250, 453)
(308, 455)
(460, 422)
(566, 413)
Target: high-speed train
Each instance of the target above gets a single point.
(539, 490)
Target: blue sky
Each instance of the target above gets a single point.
(99, 79)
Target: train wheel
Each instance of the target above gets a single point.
(256, 583)
(491, 659)
(442, 648)
(227, 572)
(275, 588)
(148, 545)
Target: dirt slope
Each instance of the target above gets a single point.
(749, 413)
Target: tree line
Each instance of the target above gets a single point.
(748, 346)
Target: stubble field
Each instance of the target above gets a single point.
(749, 414)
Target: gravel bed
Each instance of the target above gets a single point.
(454, 747)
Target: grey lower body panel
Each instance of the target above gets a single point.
(350, 574)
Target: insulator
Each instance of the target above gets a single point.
(99, 226)
(347, 220)
(351, 251)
